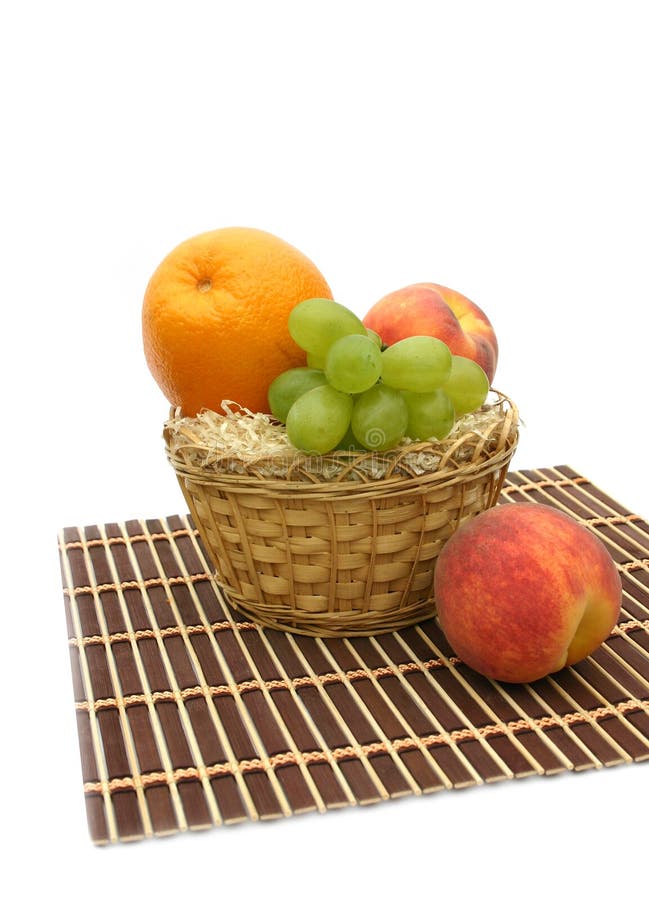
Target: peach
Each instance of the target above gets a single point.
(523, 590)
(440, 312)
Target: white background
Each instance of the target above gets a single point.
(499, 148)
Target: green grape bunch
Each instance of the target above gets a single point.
(356, 394)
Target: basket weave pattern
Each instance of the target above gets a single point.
(351, 555)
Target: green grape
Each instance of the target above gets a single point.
(314, 361)
(315, 324)
(319, 419)
(420, 364)
(350, 442)
(353, 364)
(429, 415)
(467, 385)
(379, 418)
(287, 387)
(375, 337)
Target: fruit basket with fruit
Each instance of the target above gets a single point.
(324, 505)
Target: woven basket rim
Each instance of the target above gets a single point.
(503, 431)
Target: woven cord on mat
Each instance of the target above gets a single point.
(192, 716)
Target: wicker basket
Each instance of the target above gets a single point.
(330, 549)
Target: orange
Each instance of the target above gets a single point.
(215, 313)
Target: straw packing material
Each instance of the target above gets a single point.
(342, 544)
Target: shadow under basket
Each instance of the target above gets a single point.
(343, 544)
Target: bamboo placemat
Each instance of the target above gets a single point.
(191, 717)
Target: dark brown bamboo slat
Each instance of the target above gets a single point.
(189, 716)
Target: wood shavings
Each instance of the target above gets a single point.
(240, 442)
